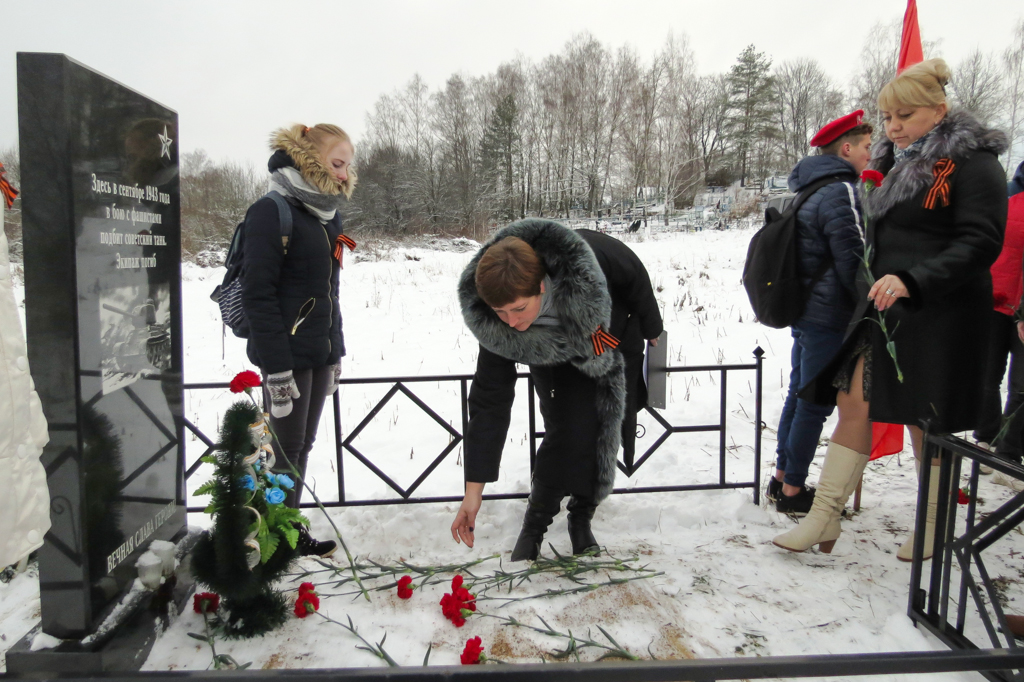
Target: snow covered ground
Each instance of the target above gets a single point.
(726, 590)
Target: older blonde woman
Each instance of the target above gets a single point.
(935, 226)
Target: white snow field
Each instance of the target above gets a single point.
(725, 590)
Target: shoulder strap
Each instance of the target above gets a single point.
(806, 192)
(284, 211)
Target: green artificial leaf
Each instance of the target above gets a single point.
(209, 459)
(291, 535)
(210, 508)
(426, 656)
(268, 545)
(193, 635)
(206, 488)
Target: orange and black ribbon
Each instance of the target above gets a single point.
(342, 241)
(940, 190)
(603, 341)
(6, 188)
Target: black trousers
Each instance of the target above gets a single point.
(297, 431)
(1004, 340)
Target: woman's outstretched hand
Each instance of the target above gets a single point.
(465, 519)
(886, 290)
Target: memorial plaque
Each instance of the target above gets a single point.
(103, 316)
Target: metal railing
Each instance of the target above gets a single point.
(401, 385)
(701, 670)
(937, 606)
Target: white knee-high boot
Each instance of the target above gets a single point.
(906, 550)
(840, 473)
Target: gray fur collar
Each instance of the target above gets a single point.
(580, 296)
(582, 302)
(956, 137)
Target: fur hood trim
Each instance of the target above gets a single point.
(579, 294)
(957, 136)
(582, 302)
(307, 161)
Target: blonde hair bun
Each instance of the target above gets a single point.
(920, 85)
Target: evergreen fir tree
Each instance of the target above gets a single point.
(751, 105)
(500, 155)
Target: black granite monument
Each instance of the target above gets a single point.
(103, 315)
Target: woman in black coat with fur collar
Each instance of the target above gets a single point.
(935, 226)
(576, 306)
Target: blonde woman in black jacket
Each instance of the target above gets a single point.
(290, 296)
(935, 227)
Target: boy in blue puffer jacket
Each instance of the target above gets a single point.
(829, 235)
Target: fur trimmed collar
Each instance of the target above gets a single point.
(957, 136)
(581, 300)
(579, 295)
(307, 161)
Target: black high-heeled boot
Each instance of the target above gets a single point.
(581, 511)
(541, 509)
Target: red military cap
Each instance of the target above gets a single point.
(833, 130)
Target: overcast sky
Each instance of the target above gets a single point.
(235, 69)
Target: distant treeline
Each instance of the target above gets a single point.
(589, 131)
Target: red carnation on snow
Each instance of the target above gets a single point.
(307, 602)
(207, 602)
(962, 497)
(458, 604)
(474, 652)
(404, 589)
(872, 178)
(244, 381)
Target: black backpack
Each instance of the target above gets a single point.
(228, 294)
(770, 273)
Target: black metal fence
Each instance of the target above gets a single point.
(402, 385)
(989, 663)
(939, 604)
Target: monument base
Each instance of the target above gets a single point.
(123, 641)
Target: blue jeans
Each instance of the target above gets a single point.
(814, 346)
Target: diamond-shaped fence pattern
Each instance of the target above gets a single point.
(401, 385)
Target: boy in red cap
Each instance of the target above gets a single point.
(829, 250)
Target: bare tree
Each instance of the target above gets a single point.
(807, 100)
(878, 58)
(1013, 88)
(976, 86)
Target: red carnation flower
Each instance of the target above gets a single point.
(205, 601)
(244, 381)
(307, 602)
(404, 591)
(872, 178)
(962, 497)
(458, 604)
(473, 653)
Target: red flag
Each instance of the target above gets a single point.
(886, 439)
(910, 44)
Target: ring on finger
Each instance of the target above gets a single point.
(889, 292)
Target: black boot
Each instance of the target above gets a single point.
(581, 511)
(310, 546)
(541, 508)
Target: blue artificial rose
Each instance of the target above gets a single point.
(247, 482)
(285, 481)
(271, 478)
(275, 496)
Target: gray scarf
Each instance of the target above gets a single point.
(290, 183)
(912, 149)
